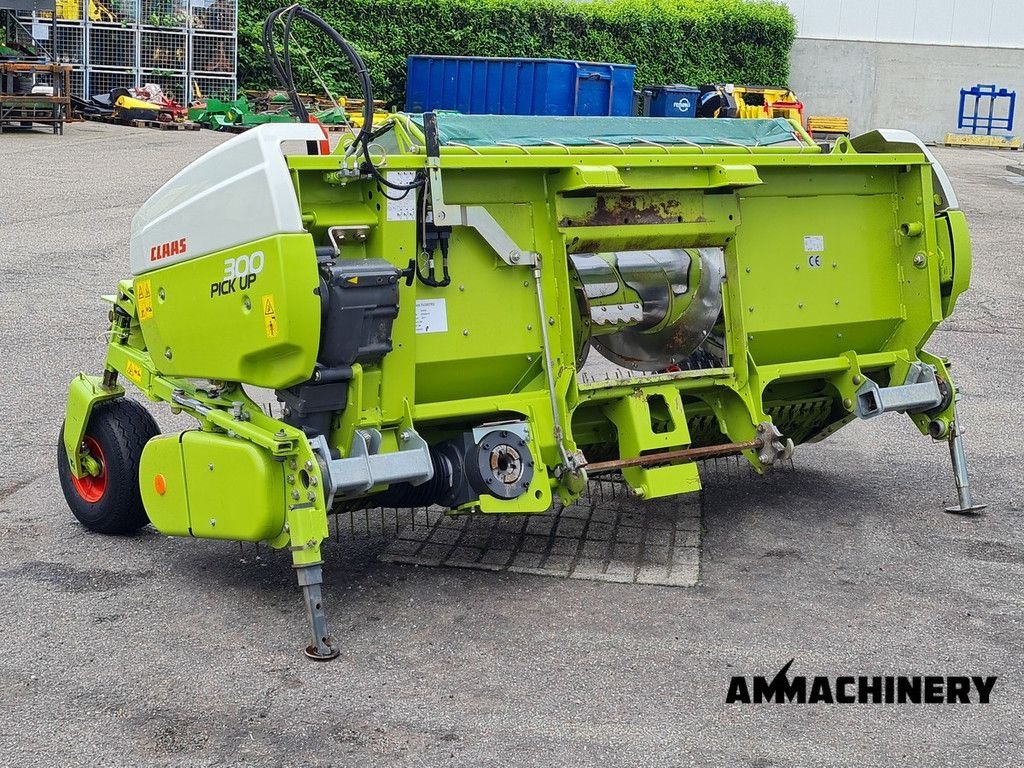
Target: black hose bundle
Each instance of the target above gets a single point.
(281, 65)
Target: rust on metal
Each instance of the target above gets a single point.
(675, 457)
(624, 209)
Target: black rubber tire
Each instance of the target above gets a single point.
(121, 428)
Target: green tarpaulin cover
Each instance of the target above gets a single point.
(488, 130)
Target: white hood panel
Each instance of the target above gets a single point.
(239, 192)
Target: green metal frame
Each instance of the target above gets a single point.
(801, 334)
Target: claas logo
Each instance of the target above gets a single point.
(165, 250)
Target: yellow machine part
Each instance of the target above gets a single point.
(765, 103)
(128, 102)
(71, 10)
(212, 486)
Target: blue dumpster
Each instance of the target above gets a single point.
(495, 86)
(669, 101)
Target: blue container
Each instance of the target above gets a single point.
(476, 85)
(669, 101)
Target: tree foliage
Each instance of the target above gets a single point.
(669, 41)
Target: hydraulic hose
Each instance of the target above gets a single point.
(285, 74)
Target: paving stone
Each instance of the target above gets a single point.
(415, 534)
(687, 538)
(503, 541)
(608, 537)
(686, 555)
(565, 547)
(603, 516)
(474, 540)
(618, 573)
(559, 563)
(600, 531)
(659, 538)
(542, 524)
(534, 544)
(434, 554)
(688, 524)
(686, 576)
(628, 534)
(443, 535)
(657, 555)
(570, 527)
(526, 560)
(588, 568)
(652, 574)
(404, 547)
(463, 557)
(576, 511)
(626, 552)
(597, 550)
(496, 557)
(511, 525)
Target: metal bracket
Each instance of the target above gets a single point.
(773, 445)
(479, 218)
(473, 216)
(365, 466)
(344, 235)
(920, 392)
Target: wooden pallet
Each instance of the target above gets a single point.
(982, 140)
(828, 125)
(160, 125)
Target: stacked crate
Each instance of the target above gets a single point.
(187, 47)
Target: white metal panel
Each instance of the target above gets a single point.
(933, 22)
(858, 19)
(895, 21)
(820, 18)
(236, 193)
(985, 23)
(972, 22)
(1008, 24)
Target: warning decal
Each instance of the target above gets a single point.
(134, 371)
(144, 299)
(269, 316)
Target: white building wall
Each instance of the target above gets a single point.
(896, 85)
(981, 23)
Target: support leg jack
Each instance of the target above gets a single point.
(959, 456)
(322, 648)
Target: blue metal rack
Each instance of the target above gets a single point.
(980, 121)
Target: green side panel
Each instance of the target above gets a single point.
(235, 489)
(823, 275)
(83, 394)
(161, 467)
(488, 316)
(528, 131)
(245, 314)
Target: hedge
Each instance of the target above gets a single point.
(685, 41)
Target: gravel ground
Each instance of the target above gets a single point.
(156, 651)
